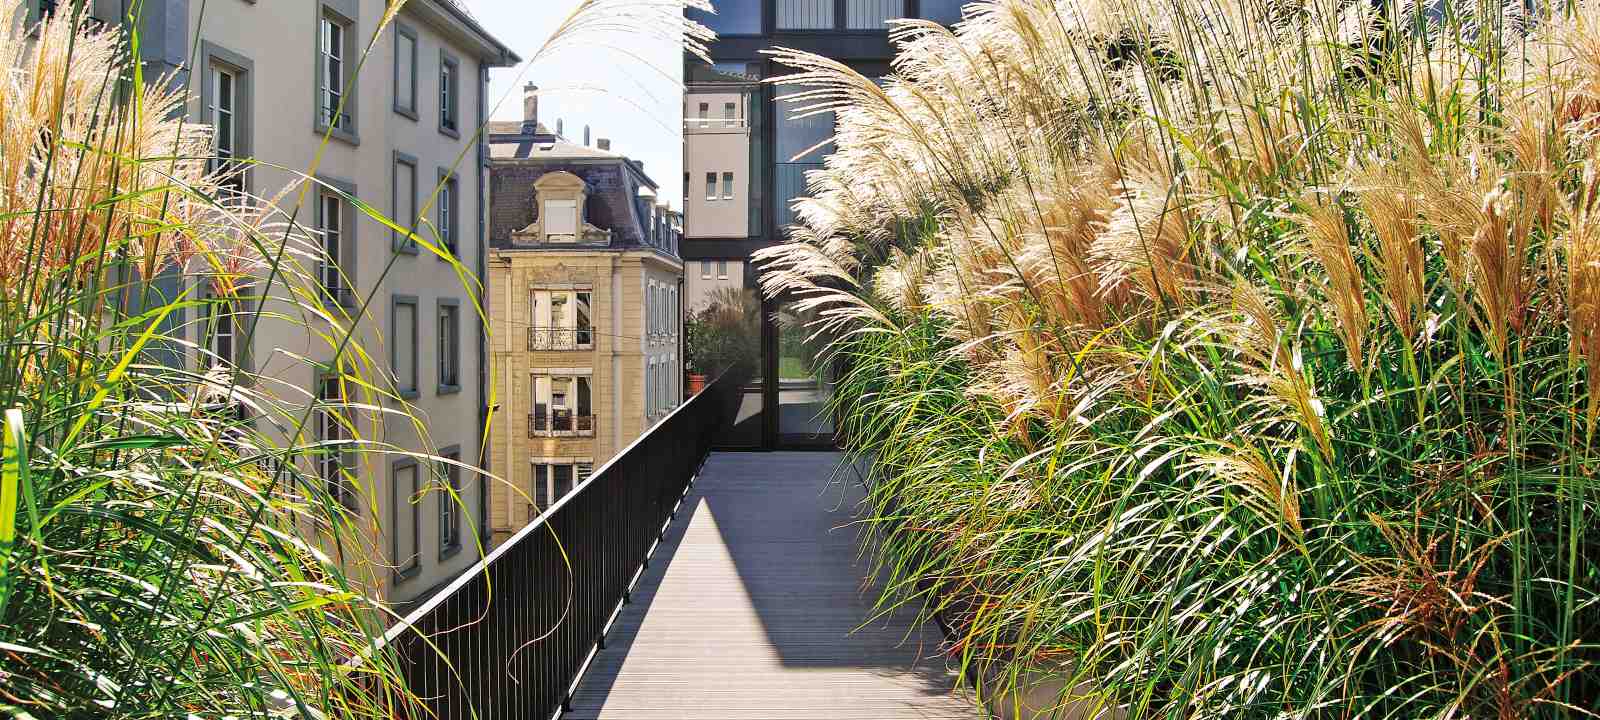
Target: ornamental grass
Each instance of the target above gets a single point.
(1227, 359)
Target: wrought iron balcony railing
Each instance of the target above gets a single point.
(550, 338)
(505, 639)
(559, 423)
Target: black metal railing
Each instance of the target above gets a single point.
(548, 338)
(559, 422)
(511, 636)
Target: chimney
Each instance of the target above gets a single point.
(530, 104)
(603, 144)
(559, 126)
(586, 136)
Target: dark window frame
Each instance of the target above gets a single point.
(414, 500)
(411, 218)
(402, 30)
(449, 95)
(453, 305)
(347, 15)
(451, 502)
(414, 389)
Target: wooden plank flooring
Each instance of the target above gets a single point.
(754, 608)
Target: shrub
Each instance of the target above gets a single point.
(1238, 359)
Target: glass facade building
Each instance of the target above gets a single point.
(785, 404)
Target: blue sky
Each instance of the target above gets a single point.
(637, 102)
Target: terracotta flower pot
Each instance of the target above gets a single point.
(697, 383)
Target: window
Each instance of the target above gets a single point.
(335, 110)
(805, 14)
(404, 178)
(722, 269)
(711, 186)
(224, 109)
(406, 485)
(219, 330)
(872, 14)
(560, 481)
(727, 186)
(449, 346)
(330, 224)
(584, 471)
(331, 433)
(541, 487)
(585, 401)
(650, 388)
(705, 269)
(450, 501)
(449, 93)
(403, 345)
(560, 220)
(729, 111)
(585, 329)
(560, 320)
(944, 11)
(405, 71)
(562, 404)
(705, 110)
(732, 18)
(447, 211)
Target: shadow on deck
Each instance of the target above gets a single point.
(756, 606)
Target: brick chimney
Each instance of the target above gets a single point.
(530, 105)
(603, 144)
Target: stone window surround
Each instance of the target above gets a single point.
(410, 570)
(439, 305)
(347, 232)
(243, 69)
(447, 179)
(451, 503)
(447, 59)
(403, 30)
(396, 242)
(395, 301)
(347, 13)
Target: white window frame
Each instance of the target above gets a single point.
(546, 332)
(711, 187)
(705, 269)
(542, 384)
(727, 186)
(722, 269)
(331, 41)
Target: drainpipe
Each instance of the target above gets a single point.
(616, 355)
(483, 331)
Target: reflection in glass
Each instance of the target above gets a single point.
(733, 17)
(944, 11)
(805, 378)
(872, 14)
(805, 15)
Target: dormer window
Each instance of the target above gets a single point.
(561, 220)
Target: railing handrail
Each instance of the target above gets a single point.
(482, 565)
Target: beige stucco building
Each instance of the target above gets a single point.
(717, 185)
(585, 287)
(279, 84)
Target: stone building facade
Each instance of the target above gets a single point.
(584, 305)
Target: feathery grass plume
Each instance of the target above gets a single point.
(1044, 446)
(1392, 208)
(1496, 258)
(1583, 287)
(172, 556)
(1329, 240)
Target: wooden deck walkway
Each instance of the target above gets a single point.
(754, 608)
